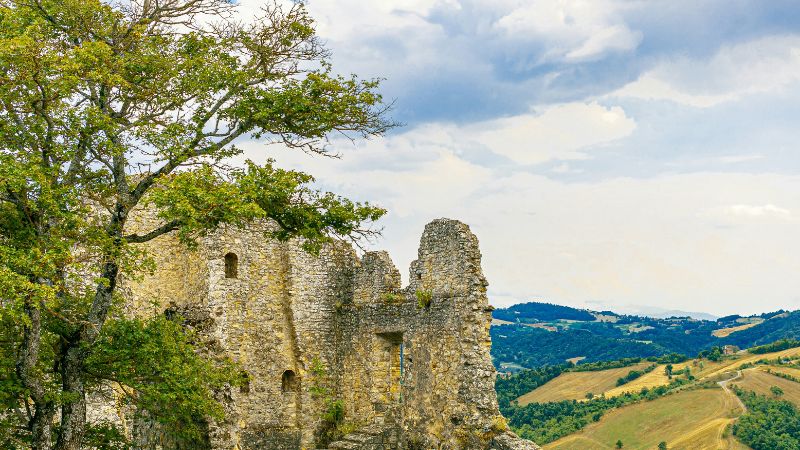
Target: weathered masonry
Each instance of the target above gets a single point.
(410, 367)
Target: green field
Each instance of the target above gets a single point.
(695, 419)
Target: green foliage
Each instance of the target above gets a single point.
(105, 436)
(106, 107)
(393, 298)
(424, 298)
(768, 424)
(333, 425)
(712, 354)
(157, 363)
(662, 445)
(783, 344)
(534, 347)
(509, 389)
(634, 374)
(604, 365)
(534, 312)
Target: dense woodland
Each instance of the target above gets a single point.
(769, 424)
(540, 312)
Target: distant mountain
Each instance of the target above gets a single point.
(536, 334)
(658, 313)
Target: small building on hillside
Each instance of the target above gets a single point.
(730, 350)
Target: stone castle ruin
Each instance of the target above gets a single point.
(333, 341)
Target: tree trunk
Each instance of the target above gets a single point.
(41, 424)
(41, 427)
(73, 411)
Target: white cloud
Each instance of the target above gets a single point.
(573, 29)
(765, 65)
(558, 132)
(718, 242)
(737, 213)
(662, 241)
(736, 159)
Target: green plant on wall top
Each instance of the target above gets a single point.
(391, 297)
(424, 298)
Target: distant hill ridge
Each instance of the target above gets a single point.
(538, 311)
(544, 333)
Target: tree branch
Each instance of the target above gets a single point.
(163, 229)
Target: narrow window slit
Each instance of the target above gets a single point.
(231, 265)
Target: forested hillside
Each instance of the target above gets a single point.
(534, 311)
(544, 334)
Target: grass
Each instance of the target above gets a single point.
(735, 363)
(689, 419)
(759, 381)
(575, 385)
(725, 332)
(649, 380)
(787, 370)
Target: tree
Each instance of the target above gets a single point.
(668, 370)
(662, 445)
(106, 107)
(776, 391)
(619, 443)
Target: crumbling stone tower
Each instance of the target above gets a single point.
(410, 368)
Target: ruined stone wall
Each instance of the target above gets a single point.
(444, 397)
(412, 365)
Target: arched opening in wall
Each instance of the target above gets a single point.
(231, 265)
(289, 381)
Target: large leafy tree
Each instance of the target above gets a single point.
(106, 107)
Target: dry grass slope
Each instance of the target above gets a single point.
(657, 377)
(759, 381)
(688, 419)
(694, 419)
(575, 385)
(725, 332)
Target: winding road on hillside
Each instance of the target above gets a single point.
(724, 385)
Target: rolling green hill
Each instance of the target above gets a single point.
(698, 403)
(538, 334)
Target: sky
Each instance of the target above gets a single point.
(626, 155)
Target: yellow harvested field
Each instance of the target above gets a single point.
(759, 381)
(787, 370)
(649, 380)
(694, 419)
(734, 364)
(725, 332)
(575, 385)
(658, 376)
